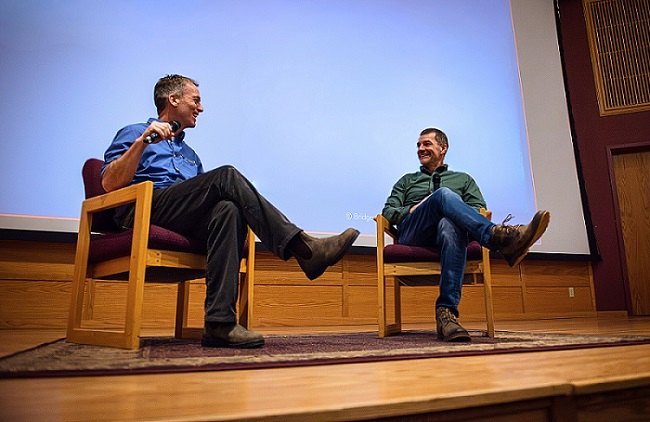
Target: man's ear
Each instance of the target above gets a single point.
(173, 100)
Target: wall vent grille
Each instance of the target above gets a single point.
(619, 40)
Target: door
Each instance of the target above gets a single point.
(632, 174)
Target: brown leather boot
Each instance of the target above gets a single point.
(448, 327)
(513, 242)
(324, 251)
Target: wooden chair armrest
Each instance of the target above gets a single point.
(141, 194)
(384, 227)
(126, 195)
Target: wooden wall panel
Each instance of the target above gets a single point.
(22, 260)
(361, 270)
(345, 295)
(556, 301)
(549, 273)
(297, 305)
(508, 301)
(33, 304)
(503, 274)
(362, 303)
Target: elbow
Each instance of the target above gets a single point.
(108, 185)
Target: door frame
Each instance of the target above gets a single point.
(613, 150)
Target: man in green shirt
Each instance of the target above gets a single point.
(439, 207)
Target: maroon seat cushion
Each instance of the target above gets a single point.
(115, 245)
(405, 253)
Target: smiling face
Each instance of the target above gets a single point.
(186, 106)
(430, 152)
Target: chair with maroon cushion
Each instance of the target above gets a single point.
(403, 261)
(145, 253)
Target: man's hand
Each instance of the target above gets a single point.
(418, 204)
(163, 129)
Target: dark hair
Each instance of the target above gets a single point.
(169, 85)
(438, 134)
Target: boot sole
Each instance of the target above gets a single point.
(539, 231)
(217, 342)
(456, 338)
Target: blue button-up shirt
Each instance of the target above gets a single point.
(164, 163)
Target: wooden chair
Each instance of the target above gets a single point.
(395, 260)
(147, 252)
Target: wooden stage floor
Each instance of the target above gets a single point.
(607, 384)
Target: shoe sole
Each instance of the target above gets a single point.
(539, 231)
(216, 342)
(456, 338)
(314, 275)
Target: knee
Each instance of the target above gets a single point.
(223, 172)
(226, 170)
(227, 210)
(443, 194)
(225, 177)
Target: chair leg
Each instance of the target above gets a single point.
(76, 311)
(128, 338)
(181, 328)
(247, 285)
(134, 300)
(487, 286)
(386, 329)
(76, 334)
(250, 280)
(381, 303)
(397, 326)
(244, 301)
(182, 306)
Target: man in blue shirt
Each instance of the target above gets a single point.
(215, 206)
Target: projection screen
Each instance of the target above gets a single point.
(318, 103)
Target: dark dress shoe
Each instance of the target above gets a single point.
(230, 335)
(325, 251)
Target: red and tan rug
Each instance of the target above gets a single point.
(165, 354)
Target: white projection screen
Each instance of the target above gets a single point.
(318, 102)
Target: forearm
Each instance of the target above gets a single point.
(418, 204)
(120, 172)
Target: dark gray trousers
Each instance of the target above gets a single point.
(216, 207)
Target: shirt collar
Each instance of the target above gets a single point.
(440, 169)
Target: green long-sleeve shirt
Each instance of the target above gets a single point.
(412, 188)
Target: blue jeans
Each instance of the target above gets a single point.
(444, 221)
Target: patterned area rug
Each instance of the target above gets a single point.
(165, 354)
